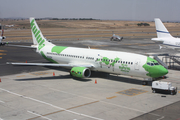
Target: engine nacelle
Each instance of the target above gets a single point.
(80, 72)
(3, 37)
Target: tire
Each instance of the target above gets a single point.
(111, 39)
(172, 93)
(144, 83)
(154, 91)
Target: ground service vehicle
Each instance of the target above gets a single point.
(159, 86)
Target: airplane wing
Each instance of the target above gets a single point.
(32, 46)
(53, 64)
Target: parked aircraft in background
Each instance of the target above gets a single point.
(116, 37)
(2, 38)
(164, 38)
(9, 25)
(82, 61)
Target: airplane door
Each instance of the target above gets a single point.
(136, 65)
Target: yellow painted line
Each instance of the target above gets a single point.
(20, 76)
(179, 92)
(63, 110)
(2, 54)
(0, 57)
(39, 73)
(111, 97)
(142, 45)
(3, 50)
(94, 48)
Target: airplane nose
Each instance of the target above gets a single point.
(163, 71)
(158, 71)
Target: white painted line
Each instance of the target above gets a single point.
(1, 119)
(161, 118)
(39, 115)
(104, 102)
(2, 101)
(50, 105)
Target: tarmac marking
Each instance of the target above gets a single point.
(21, 76)
(2, 101)
(1, 119)
(179, 92)
(104, 102)
(3, 50)
(132, 92)
(64, 110)
(111, 97)
(39, 73)
(49, 104)
(39, 115)
(161, 118)
(2, 54)
(0, 57)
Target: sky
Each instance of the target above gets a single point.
(143, 10)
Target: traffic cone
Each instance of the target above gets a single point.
(53, 74)
(95, 81)
(26, 61)
(0, 79)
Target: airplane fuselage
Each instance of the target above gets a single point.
(168, 42)
(102, 60)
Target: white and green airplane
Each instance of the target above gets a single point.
(82, 61)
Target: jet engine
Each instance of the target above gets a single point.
(3, 37)
(80, 72)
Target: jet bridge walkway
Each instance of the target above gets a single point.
(173, 62)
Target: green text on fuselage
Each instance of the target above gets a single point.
(107, 61)
(124, 68)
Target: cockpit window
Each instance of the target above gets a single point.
(149, 64)
(156, 63)
(152, 64)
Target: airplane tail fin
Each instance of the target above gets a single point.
(161, 29)
(38, 38)
(2, 32)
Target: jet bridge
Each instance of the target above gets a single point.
(172, 61)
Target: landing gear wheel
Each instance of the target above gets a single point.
(144, 82)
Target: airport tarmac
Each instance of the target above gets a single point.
(34, 93)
